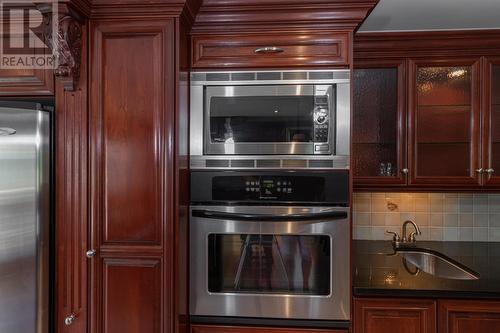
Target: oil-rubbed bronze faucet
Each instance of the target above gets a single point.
(406, 240)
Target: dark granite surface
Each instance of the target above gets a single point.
(376, 272)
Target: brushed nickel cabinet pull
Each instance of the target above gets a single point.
(480, 170)
(90, 253)
(405, 171)
(269, 49)
(490, 171)
(69, 319)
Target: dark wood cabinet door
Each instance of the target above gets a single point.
(491, 122)
(394, 316)
(379, 124)
(244, 329)
(469, 316)
(444, 122)
(132, 126)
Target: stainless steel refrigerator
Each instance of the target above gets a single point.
(25, 214)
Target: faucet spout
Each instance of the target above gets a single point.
(405, 238)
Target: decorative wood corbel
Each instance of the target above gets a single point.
(66, 46)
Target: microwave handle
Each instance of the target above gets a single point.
(209, 214)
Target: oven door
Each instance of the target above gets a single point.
(273, 262)
(262, 119)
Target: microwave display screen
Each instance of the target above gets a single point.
(254, 119)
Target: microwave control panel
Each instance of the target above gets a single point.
(321, 119)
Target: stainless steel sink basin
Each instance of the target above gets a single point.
(437, 264)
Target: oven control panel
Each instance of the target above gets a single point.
(321, 120)
(269, 187)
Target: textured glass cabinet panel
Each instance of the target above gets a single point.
(443, 121)
(375, 125)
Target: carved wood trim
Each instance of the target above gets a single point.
(66, 44)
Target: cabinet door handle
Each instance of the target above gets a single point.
(91, 253)
(269, 49)
(69, 320)
(490, 171)
(405, 171)
(480, 170)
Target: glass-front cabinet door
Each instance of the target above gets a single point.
(444, 123)
(491, 121)
(379, 124)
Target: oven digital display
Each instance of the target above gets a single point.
(268, 188)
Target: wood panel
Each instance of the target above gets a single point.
(298, 49)
(132, 175)
(394, 316)
(71, 204)
(469, 316)
(491, 121)
(243, 329)
(131, 295)
(426, 167)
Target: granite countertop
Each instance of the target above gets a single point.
(377, 273)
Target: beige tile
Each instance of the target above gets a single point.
(407, 204)
(450, 234)
(466, 203)
(450, 195)
(481, 220)
(465, 220)
(422, 219)
(494, 235)
(379, 233)
(434, 196)
(480, 203)
(421, 205)
(392, 219)
(425, 236)
(362, 205)
(378, 195)
(494, 203)
(379, 205)
(363, 233)
(407, 216)
(362, 218)
(451, 204)
(421, 195)
(480, 234)
(393, 196)
(436, 220)
(450, 220)
(436, 234)
(377, 219)
(465, 234)
(437, 205)
(494, 220)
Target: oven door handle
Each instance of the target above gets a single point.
(210, 214)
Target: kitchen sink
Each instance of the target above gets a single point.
(436, 263)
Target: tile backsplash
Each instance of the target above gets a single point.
(440, 216)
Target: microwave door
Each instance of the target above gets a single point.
(259, 120)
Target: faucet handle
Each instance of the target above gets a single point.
(395, 236)
(412, 238)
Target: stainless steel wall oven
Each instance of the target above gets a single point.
(270, 245)
(270, 119)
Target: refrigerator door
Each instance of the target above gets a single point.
(24, 218)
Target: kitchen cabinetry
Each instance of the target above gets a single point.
(132, 114)
(244, 329)
(491, 122)
(448, 105)
(444, 122)
(468, 316)
(373, 315)
(379, 123)
(394, 316)
(271, 50)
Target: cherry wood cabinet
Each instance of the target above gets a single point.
(491, 122)
(132, 120)
(244, 329)
(468, 316)
(290, 49)
(373, 315)
(379, 123)
(444, 122)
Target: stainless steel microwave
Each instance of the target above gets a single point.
(270, 119)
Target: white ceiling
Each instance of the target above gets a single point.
(415, 15)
